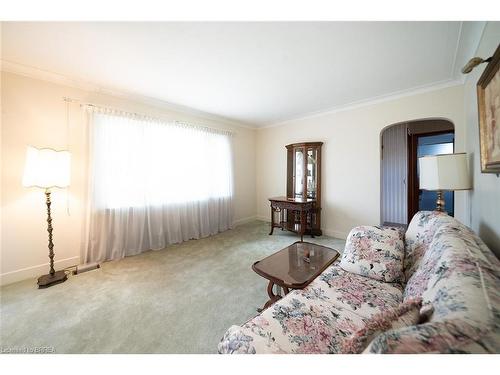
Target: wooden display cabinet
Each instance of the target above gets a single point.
(304, 181)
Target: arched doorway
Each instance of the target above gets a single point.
(401, 146)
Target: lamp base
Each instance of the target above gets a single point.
(48, 280)
(440, 201)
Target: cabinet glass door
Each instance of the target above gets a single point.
(312, 173)
(298, 167)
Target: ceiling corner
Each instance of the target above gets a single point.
(469, 38)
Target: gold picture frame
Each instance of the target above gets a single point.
(488, 99)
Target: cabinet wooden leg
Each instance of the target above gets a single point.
(302, 225)
(272, 221)
(311, 221)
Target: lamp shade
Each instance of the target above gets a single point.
(46, 168)
(444, 172)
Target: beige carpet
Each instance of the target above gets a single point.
(177, 300)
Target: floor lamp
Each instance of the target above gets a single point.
(46, 169)
(444, 172)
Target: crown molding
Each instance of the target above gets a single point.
(368, 102)
(457, 48)
(43, 75)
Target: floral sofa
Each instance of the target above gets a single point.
(445, 264)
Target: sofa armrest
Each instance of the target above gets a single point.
(241, 340)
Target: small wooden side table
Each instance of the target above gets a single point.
(294, 267)
(304, 206)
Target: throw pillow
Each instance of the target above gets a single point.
(404, 315)
(375, 252)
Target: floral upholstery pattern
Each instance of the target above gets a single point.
(446, 266)
(406, 314)
(363, 295)
(293, 327)
(374, 252)
(419, 235)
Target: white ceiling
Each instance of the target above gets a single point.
(256, 73)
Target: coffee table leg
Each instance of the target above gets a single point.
(272, 297)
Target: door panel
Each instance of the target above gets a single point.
(394, 175)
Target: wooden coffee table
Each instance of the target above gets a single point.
(294, 267)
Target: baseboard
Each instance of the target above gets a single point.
(244, 220)
(35, 271)
(328, 232)
(263, 218)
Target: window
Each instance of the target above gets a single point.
(143, 163)
(154, 183)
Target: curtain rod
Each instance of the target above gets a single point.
(144, 116)
(82, 103)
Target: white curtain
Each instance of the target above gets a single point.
(154, 183)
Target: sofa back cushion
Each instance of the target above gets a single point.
(374, 252)
(459, 276)
(419, 236)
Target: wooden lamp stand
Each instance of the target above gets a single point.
(53, 277)
(47, 168)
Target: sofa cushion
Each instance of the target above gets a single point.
(406, 314)
(360, 294)
(294, 324)
(419, 235)
(374, 252)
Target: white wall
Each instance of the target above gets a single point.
(351, 155)
(33, 112)
(485, 196)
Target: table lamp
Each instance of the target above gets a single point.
(444, 172)
(47, 168)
